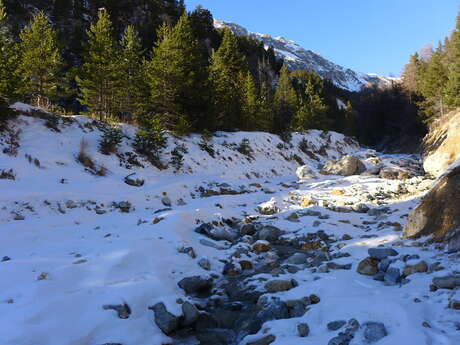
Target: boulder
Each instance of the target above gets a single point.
(269, 233)
(305, 172)
(268, 208)
(345, 166)
(268, 339)
(373, 331)
(420, 267)
(195, 284)
(166, 321)
(427, 220)
(134, 180)
(449, 282)
(279, 285)
(303, 330)
(261, 247)
(395, 174)
(381, 253)
(368, 266)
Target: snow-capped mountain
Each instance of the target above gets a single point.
(297, 57)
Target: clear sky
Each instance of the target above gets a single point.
(371, 36)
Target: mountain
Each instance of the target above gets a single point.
(297, 58)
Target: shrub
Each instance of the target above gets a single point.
(150, 141)
(177, 156)
(303, 146)
(110, 140)
(7, 174)
(85, 159)
(205, 145)
(245, 148)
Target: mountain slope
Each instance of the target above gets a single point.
(297, 58)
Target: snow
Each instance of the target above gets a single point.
(130, 259)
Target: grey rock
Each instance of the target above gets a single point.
(166, 201)
(297, 259)
(279, 285)
(335, 325)
(340, 340)
(303, 330)
(373, 331)
(190, 313)
(123, 310)
(269, 233)
(381, 253)
(124, 206)
(384, 264)
(392, 276)
(271, 308)
(248, 229)
(204, 264)
(420, 267)
(166, 321)
(379, 276)
(346, 166)
(268, 339)
(134, 180)
(448, 282)
(196, 284)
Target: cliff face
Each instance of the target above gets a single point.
(442, 144)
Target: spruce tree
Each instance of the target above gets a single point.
(99, 77)
(250, 104)
(285, 102)
(312, 113)
(453, 82)
(9, 59)
(40, 61)
(228, 71)
(432, 86)
(178, 78)
(132, 91)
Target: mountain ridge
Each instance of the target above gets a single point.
(296, 57)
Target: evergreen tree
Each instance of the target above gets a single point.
(432, 86)
(178, 78)
(285, 102)
(9, 59)
(40, 60)
(312, 113)
(99, 77)
(250, 104)
(228, 68)
(410, 76)
(133, 90)
(350, 128)
(453, 83)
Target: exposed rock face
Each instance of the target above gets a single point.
(442, 144)
(345, 166)
(438, 215)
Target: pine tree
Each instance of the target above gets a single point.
(432, 86)
(228, 69)
(40, 61)
(250, 104)
(350, 129)
(410, 76)
(312, 113)
(99, 77)
(9, 59)
(133, 91)
(453, 83)
(285, 102)
(178, 78)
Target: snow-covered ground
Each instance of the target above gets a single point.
(70, 246)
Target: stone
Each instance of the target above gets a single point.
(261, 247)
(196, 285)
(246, 265)
(166, 201)
(303, 330)
(305, 172)
(334, 266)
(6, 258)
(271, 308)
(335, 325)
(368, 267)
(427, 220)
(379, 276)
(381, 253)
(392, 276)
(314, 299)
(297, 259)
(190, 314)
(269, 233)
(384, 264)
(279, 285)
(449, 282)
(205, 264)
(165, 321)
(134, 180)
(297, 308)
(123, 310)
(342, 339)
(268, 339)
(248, 229)
(345, 166)
(373, 331)
(293, 217)
(395, 174)
(214, 336)
(454, 304)
(420, 267)
(124, 206)
(268, 208)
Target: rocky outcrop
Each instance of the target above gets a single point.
(442, 144)
(438, 215)
(345, 166)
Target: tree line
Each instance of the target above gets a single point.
(193, 79)
(432, 79)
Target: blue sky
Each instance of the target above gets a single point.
(372, 36)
